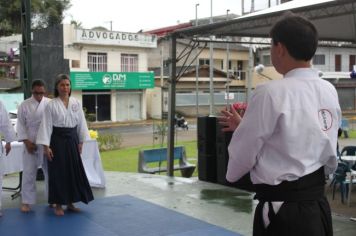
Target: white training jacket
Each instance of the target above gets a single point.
(289, 130)
(6, 127)
(56, 114)
(29, 117)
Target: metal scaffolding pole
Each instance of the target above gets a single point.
(211, 66)
(171, 107)
(26, 61)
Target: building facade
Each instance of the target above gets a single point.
(108, 69)
(335, 64)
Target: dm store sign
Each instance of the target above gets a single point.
(111, 80)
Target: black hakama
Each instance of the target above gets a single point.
(67, 182)
(305, 210)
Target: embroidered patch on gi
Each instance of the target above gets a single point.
(75, 107)
(325, 119)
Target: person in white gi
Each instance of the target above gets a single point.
(8, 132)
(287, 137)
(29, 116)
(62, 132)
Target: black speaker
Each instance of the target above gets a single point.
(222, 154)
(207, 148)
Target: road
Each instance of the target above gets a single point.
(136, 135)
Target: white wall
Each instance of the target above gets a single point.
(154, 107)
(330, 53)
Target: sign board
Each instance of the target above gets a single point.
(111, 80)
(116, 38)
(229, 96)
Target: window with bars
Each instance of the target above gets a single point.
(266, 60)
(319, 59)
(97, 61)
(129, 62)
(204, 62)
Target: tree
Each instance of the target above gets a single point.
(77, 24)
(44, 13)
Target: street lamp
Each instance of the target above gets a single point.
(259, 68)
(196, 66)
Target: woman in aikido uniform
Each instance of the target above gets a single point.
(62, 133)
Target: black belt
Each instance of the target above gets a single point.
(308, 187)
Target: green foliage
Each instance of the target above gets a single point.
(89, 117)
(77, 24)
(44, 13)
(126, 159)
(109, 141)
(352, 134)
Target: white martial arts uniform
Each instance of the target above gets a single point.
(56, 114)
(8, 132)
(29, 116)
(289, 130)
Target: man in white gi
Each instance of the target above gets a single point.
(29, 116)
(287, 137)
(8, 132)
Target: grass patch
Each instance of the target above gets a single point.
(352, 134)
(126, 159)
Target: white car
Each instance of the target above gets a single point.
(13, 118)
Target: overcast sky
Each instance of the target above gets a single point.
(134, 15)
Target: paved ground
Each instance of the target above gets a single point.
(338, 209)
(220, 205)
(227, 207)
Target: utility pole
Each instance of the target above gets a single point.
(110, 22)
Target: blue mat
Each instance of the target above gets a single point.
(120, 215)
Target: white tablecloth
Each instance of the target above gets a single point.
(90, 157)
(350, 159)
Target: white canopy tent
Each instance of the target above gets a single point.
(334, 19)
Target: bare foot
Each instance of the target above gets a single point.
(58, 211)
(25, 208)
(72, 208)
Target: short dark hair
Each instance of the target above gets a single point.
(297, 34)
(38, 83)
(59, 78)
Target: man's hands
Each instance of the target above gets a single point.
(48, 152)
(30, 146)
(229, 119)
(80, 147)
(7, 148)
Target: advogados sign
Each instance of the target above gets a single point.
(116, 38)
